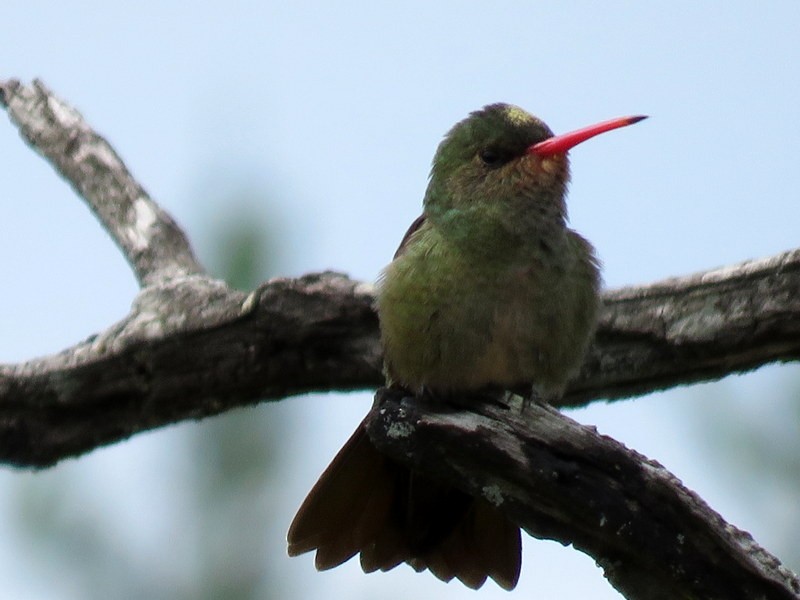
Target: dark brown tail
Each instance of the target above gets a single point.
(366, 503)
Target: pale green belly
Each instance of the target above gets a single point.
(505, 327)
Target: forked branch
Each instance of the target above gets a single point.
(192, 347)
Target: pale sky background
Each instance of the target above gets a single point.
(336, 109)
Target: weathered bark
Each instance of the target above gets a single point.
(695, 328)
(193, 347)
(560, 480)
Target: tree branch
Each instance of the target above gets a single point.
(154, 245)
(192, 347)
(317, 332)
(695, 328)
(655, 539)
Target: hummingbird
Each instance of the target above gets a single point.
(490, 289)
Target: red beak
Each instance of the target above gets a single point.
(560, 144)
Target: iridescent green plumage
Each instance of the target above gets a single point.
(489, 289)
(492, 287)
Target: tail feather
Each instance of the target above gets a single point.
(500, 546)
(343, 509)
(365, 503)
(387, 550)
(484, 544)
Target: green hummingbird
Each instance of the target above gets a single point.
(489, 289)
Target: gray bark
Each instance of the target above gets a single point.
(192, 347)
(560, 480)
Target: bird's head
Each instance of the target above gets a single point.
(501, 173)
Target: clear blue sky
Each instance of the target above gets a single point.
(336, 109)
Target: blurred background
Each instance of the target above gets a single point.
(295, 137)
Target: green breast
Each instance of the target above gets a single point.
(451, 322)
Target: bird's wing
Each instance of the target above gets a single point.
(411, 230)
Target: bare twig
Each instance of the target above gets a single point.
(148, 237)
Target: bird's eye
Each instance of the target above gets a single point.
(490, 157)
